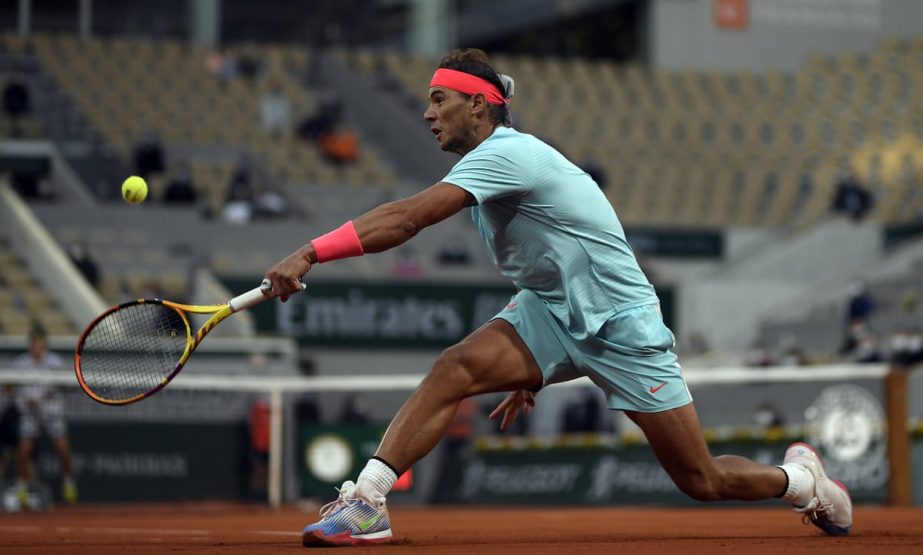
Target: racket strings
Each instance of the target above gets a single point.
(132, 350)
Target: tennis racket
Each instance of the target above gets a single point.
(133, 350)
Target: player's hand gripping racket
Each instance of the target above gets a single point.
(133, 350)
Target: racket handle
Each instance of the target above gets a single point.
(253, 297)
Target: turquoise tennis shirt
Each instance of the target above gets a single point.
(551, 230)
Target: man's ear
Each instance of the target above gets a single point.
(478, 103)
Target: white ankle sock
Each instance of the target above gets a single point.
(375, 480)
(800, 484)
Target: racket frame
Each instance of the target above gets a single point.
(219, 312)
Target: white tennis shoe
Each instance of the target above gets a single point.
(830, 509)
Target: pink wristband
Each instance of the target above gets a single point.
(342, 242)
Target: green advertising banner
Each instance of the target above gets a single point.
(624, 475)
(394, 315)
(153, 462)
(380, 315)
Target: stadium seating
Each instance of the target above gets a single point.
(771, 141)
(128, 87)
(23, 301)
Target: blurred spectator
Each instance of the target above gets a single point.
(238, 202)
(275, 110)
(859, 308)
(454, 253)
(324, 119)
(851, 197)
(861, 304)
(222, 64)
(41, 408)
(407, 263)
(582, 413)
(861, 344)
(180, 189)
(269, 204)
(148, 155)
(340, 146)
(17, 102)
(354, 410)
(81, 258)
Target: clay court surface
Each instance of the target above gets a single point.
(222, 528)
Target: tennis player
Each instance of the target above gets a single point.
(584, 308)
(41, 407)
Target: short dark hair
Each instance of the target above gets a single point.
(37, 331)
(474, 61)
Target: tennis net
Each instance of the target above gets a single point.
(284, 438)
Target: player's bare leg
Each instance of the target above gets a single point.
(493, 358)
(677, 440)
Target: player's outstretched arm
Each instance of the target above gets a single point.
(379, 229)
(517, 401)
(393, 223)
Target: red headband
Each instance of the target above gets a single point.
(467, 84)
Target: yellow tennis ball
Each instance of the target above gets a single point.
(134, 190)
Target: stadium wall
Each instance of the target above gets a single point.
(772, 34)
(728, 305)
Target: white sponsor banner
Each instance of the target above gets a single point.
(818, 14)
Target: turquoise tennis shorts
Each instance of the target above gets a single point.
(631, 358)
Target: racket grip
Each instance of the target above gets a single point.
(253, 296)
(246, 300)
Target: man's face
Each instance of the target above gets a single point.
(37, 347)
(450, 119)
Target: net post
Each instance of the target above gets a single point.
(275, 446)
(899, 488)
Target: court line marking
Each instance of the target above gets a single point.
(150, 531)
(19, 528)
(276, 533)
(123, 530)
